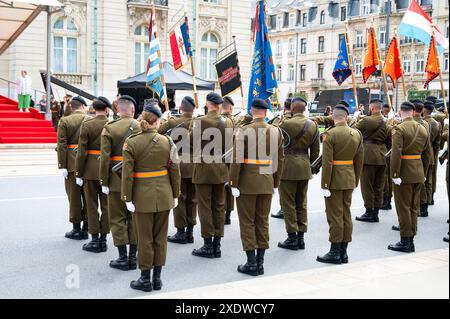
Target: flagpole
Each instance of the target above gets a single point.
(242, 89)
(444, 98)
(405, 93)
(191, 58)
(350, 61)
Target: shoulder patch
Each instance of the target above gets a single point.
(394, 131)
(125, 146)
(104, 131)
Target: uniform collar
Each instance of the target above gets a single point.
(341, 124)
(212, 113)
(300, 115)
(125, 116)
(186, 115)
(152, 130)
(427, 117)
(408, 119)
(259, 120)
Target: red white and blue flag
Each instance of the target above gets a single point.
(418, 25)
(180, 45)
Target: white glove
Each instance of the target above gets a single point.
(357, 114)
(275, 191)
(105, 190)
(445, 122)
(130, 206)
(391, 115)
(175, 202)
(397, 181)
(326, 193)
(226, 184)
(79, 181)
(236, 193)
(64, 173)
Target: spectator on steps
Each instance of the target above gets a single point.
(43, 104)
(23, 88)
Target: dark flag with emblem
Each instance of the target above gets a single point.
(229, 74)
(342, 68)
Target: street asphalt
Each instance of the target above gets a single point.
(36, 261)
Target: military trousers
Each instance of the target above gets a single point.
(211, 209)
(407, 204)
(151, 232)
(77, 209)
(339, 216)
(372, 185)
(185, 214)
(120, 221)
(388, 190)
(254, 211)
(435, 169)
(98, 222)
(229, 200)
(426, 188)
(293, 199)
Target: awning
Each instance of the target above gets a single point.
(16, 16)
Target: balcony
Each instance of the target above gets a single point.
(317, 83)
(147, 3)
(76, 79)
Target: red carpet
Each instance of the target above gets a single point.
(23, 128)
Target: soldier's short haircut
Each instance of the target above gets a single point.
(339, 114)
(419, 106)
(376, 104)
(99, 105)
(75, 104)
(124, 106)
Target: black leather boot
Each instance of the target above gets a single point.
(103, 243)
(403, 246)
(333, 256)
(143, 283)
(413, 247)
(84, 230)
(387, 204)
(179, 237)
(216, 247)
(369, 216)
(396, 228)
(190, 234)
(122, 262)
(132, 257)
(446, 239)
(290, 243)
(260, 260)
(207, 251)
(228, 217)
(157, 283)
(75, 233)
(423, 210)
(279, 214)
(251, 267)
(94, 245)
(301, 240)
(344, 256)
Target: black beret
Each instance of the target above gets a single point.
(260, 104)
(408, 106)
(79, 99)
(229, 100)
(129, 98)
(417, 101)
(342, 107)
(214, 98)
(288, 102)
(432, 99)
(386, 106)
(344, 103)
(375, 101)
(189, 100)
(105, 101)
(429, 105)
(152, 107)
(299, 99)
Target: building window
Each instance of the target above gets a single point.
(420, 63)
(279, 71)
(65, 46)
(291, 20)
(303, 46)
(341, 37)
(299, 18)
(291, 76)
(305, 20)
(382, 33)
(446, 29)
(406, 64)
(322, 17)
(279, 49)
(359, 39)
(343, 13)
(302, 72)
(279, 22)
(365, 8)
(321, 44)
(291, 47)
(358, 66)
(208, 55)
(141, 49)
(286, 20)
(446, 62)
(320, 71)
(213, 1)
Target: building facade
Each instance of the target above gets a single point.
(306, 36)
(95, 43)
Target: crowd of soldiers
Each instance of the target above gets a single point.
(125, 176)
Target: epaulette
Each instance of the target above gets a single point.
(135, 134)
(114, 121)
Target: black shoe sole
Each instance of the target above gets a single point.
(301, 247)
(400, 250)
(395, 229)
(144, 289)
(344, 260)
(277, 217)
(204, 256)
(253, 274)
(157, 288)
(333, 262)
(74, 238)
(124, 268)
(372, 221)
(177, 242)
(293, 248)
(190, 241)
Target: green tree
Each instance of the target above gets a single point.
(414, 94)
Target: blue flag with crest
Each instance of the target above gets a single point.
(342, 68)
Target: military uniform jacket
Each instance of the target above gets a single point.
(247, 177)
(302, 151)
(342, 158)
(150, 179)
(208, 173)
(410, 155)
(425, 124)
(112, 140)
(286, 116)
(88, 154)
(183, 122)
(377, 138)
(329, 122)
(435, 137)
(68, 135)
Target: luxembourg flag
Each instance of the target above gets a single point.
(418, 25)
(180, 45)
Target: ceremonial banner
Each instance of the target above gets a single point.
(229, 74)
(263, 80)
(372, 59)
(342, 68)
(432, 67)
(180, 44)
(392, 66)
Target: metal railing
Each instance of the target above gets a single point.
(157, 2)
(8, 89)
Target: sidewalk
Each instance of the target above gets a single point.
(415, 276)
(24, 160)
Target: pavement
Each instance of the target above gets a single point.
(38, 262)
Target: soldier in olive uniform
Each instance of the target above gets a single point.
(113, 137)
(210, 175)
(445, 138)
(185, 214)
(388, 191)
(150, 188)
(68, 134)
(253, 179)
(409, 161)
(227, 111)
(303, 149)
(377, 139)
(342, 163)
